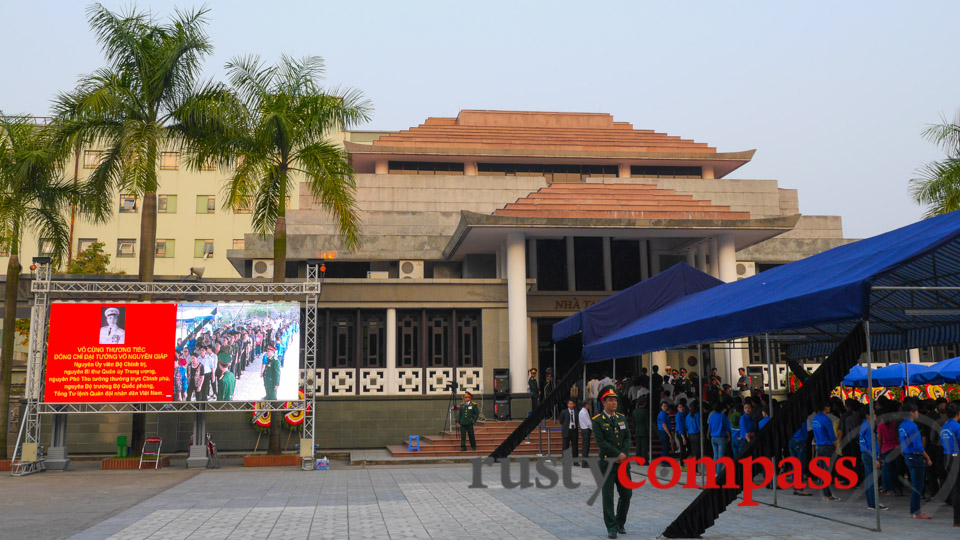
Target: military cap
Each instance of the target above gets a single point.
(468, 394)
(112, 311)
(607, 391)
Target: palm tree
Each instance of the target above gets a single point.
(938, 186)
(143, 102)
(34, 199)
(280, 140)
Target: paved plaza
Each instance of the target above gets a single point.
(427, 501)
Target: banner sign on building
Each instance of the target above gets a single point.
(165, 352)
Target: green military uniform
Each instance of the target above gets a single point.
(469, 412)
(226, 384)
(533, 386)
(641, 430)
(271, 376)
(613, 438)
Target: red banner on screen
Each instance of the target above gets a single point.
(100, 353)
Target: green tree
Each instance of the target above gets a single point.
(142, 103)
(279, 138)
(938, 185)
(92, 260)
(34, 199)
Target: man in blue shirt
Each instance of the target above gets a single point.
(764, 420)
(911, 444)
(748, 428)
(681, 420)
(798, 449)
(950, 440)
(693, 430)
(825, 439)
(868, 441)
(663, 428)
(720, 432)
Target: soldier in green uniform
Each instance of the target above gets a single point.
(270, 372)
(534, 388)
(227, 381)
(613, 441)
(469, 412)
(641, 428)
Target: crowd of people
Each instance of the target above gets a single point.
(918, 454)
(214, 356)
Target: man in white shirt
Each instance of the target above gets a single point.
(586, 425)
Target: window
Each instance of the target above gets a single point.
(166, 204)
(238, 243)
(552, 173)
(665, 172)
(468, 339)
(244, 206)
(203, 248)
(92, 159)
(46, 247)
(206, 204)
(209, 165)
(408, 339)
(4, 252)
(421, 167)
(165, 248)
(438, 338)
(286, 202)
(126, 247)
(343, 339)
(373, 339)
(128, 204)
(84, 243)
(169, 161)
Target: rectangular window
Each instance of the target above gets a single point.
(203, 249)
(238, 243)
(128, 204)
(92, 159)
(653, 171)
(286, 202)
(551, 264)
(169, 161)
(588, 263)
(206, 204)
(84, 243)
(244, 206)
(46, 247)
(165, 248)
(421, 167)
(4, 252)
(209, 165)
(126, 247)
(166, 204)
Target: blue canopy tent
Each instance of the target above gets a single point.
(633, 302)
(892, 375)
(947, 371)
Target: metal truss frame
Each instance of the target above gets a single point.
(43, 288)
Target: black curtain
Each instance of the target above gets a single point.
(704, 510)
(561, 392)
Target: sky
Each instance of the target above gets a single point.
(833, 95)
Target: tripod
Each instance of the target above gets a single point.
(451, 405)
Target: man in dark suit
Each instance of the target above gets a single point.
(568, 424)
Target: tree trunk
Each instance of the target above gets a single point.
(148, 247)
(6, 358)
(279, 276)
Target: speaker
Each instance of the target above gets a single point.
(501, 408)
(501, 383)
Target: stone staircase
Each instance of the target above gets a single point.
(489, 433)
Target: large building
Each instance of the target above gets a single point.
(479, 232)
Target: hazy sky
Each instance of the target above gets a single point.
(833, 95)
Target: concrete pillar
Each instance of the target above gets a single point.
(607, 265)
(701, 257)
(518, 326)
(692, 257)
(391, 344)
(654, 263)
(644, 261)
(914, 356)
(197, 454)
(624, 170)
(714, 257)
(708, 172)
(470, 168)
(571, 266)
(57, 458)
(532, 259)
(727, 258)
(382, 166)
(659, 359)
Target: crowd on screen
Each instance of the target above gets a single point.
(214, 349)
(918, 455)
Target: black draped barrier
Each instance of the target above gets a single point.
(556, 398)
(812, 396)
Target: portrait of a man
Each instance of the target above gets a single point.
(111, 326)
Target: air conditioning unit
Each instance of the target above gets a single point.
(263, 268)
(746, 269)
(411, 269)
(378, 274)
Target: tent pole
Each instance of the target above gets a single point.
(873, 441)
(650, 412)
(766, 338)
(699, 390)
(906, 375)
(553, 412)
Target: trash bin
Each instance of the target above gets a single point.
(122, 446)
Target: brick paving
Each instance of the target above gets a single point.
(431, 502)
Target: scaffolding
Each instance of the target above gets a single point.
(27, 456)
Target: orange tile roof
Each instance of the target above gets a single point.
(630, 201)
(524, 130)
